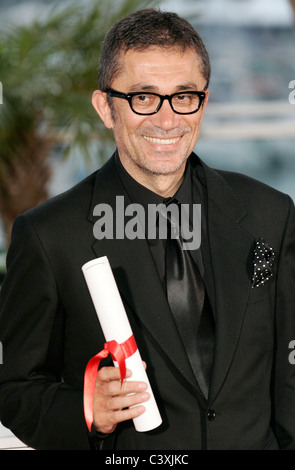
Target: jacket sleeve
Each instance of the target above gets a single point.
(284, 367)
(35, 403)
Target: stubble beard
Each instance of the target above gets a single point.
(162, 170)
(141, 163)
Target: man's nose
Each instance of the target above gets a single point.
(166, 118)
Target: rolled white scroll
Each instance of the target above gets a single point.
(115, 326)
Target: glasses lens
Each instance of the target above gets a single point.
(145, 103)
(185, 102)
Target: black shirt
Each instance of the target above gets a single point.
(139, 194)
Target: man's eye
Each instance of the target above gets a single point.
(143, 99)
(183, 98)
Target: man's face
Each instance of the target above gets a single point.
(158, 144)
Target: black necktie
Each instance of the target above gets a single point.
(189, 304)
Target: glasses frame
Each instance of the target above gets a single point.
(128, 96)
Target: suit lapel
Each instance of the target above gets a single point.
(137, 277)
(230, 248)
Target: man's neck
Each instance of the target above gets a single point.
(164, 185)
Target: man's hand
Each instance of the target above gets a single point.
(112, 401)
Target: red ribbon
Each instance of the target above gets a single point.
(119, 353)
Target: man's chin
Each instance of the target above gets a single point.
(161, 170)
(164, 167)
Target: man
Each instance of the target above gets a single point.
(153, 90)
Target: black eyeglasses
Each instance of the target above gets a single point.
(146, 103)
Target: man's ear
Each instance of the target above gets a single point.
(204, 104)
(206, 99)
(101, 106)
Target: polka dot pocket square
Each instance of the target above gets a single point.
(264, 257)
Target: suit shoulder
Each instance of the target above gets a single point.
(69, 204)
(251, 190)
(246, 189)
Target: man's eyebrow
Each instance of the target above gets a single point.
(145, 87)
(187, 86)
(142, 87)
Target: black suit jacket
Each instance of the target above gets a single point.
(49, 328)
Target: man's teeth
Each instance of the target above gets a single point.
(153, 140)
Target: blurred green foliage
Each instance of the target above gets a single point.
(48, 73)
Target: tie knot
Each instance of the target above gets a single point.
(170, 200)
(170, 211)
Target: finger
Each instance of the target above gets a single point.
(111, 373)
(127, 401)
(114, 388)
(109, 419)
(127, 414)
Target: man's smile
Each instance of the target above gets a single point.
(158, 141)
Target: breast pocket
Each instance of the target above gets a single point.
(262, 293)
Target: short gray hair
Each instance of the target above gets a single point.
(143, 29)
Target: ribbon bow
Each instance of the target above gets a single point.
(119, 353)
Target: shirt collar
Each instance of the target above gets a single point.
(141, 195)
